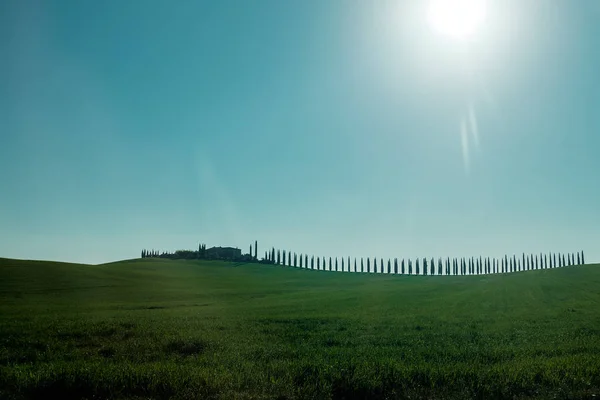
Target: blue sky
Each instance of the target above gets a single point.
(332, 128)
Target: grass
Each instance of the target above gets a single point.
(159, 329)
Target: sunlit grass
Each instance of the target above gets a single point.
(176, 329)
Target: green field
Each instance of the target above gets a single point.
(199, 330)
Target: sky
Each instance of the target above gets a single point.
(333, 128)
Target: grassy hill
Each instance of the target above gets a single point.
(184, 329)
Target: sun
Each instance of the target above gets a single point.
(460, 19)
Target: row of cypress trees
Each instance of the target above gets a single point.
(424, 266)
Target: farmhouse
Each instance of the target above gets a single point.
(223, 253)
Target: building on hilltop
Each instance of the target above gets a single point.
(223, 253)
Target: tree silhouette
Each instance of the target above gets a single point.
(396, 266)
(417, 266)
(403, 266)
(425, 266)
(389, 271)
(362, 265)
(582, 258)
(409, 266)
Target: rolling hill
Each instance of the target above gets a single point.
(157, 328)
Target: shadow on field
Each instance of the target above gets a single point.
(186, 348)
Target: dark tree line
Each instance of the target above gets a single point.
(418, 266)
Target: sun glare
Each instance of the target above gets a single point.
(457, 18)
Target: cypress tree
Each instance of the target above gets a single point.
(432, 267)
(403, 266)
(381, 266)
(368, 265)
(348, 264)
(330, 268)
(396, 266)
(409, 266)
(440, 267)
(301, 261)
(336, 264)
(582, 258)
(424, 266)
(389, 266)
(544, 261)
(417, 266)
(342, 263)
(256, 249)
(362, 265)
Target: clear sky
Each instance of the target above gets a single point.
(335, 128)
